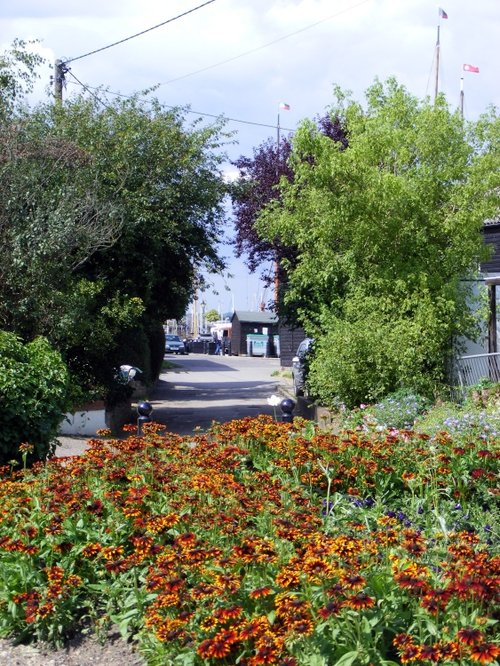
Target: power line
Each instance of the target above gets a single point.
(198, 113)
(88, 90)
(137, 34)
(241, 55)
(263, 46)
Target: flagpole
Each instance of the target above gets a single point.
(275, 267)
(462, 96)
(278, 146)
(436, 87)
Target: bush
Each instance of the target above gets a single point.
(376, 350)
(34, 393)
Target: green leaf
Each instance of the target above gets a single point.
(347, 659)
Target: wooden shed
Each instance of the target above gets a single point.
(290, 339)
(247, 323)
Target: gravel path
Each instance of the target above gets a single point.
(79, 651)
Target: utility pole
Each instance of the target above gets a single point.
(60, 70)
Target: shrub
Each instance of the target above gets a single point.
(34, 392)
(378, 347)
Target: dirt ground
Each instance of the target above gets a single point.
(80, 651)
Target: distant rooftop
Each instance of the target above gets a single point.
(257, 317)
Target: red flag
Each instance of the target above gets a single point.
(471, 68)
(284, 106)
(442, 14)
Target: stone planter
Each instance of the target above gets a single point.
(87, 419)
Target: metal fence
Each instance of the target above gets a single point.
(472, 369)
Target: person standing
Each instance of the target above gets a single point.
(217, 344)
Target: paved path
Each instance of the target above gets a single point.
(201, 389)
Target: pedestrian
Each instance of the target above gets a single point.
(217, 344)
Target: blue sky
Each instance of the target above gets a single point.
(241, 58)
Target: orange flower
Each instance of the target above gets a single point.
(353, 581)
(218, 647)
(360, 601)
(224, 614)
(254, 628)
(261, 592)
(485, 653)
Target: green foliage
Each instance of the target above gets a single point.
(380, 345)
(17, 72)
(34, 393)
(107, 215)
(212, 315)
(386, 230)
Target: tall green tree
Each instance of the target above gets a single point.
(385, 231)
(109, 210)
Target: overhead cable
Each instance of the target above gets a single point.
(137, 34)
(88, 90)
(198, 113)
(264, 46)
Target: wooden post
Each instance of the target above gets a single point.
(58, 80)
(492, 322)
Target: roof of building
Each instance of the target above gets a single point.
(257, 317)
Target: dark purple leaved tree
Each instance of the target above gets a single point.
(256, 186)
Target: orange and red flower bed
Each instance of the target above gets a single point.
(261, 543)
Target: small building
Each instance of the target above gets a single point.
(251, 323)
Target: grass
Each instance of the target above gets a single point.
(287, 374)
(169, 365)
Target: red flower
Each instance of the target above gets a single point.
(485, 653)
(261, 592)
(470, 636)
(331, 608)
(430, 652)
(360, 601)
(477, 473)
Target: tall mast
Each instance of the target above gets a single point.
(436, 87)
(441, 15)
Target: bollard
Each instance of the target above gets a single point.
(287, 406)
(144, 410)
